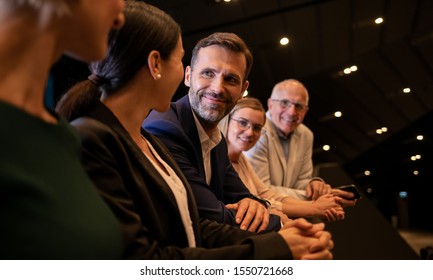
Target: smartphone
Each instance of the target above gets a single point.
(352, 189)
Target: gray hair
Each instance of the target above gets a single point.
(287, 84)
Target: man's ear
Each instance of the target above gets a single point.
(244, 88)
(187, 80)
(154, 64)
(269, 103)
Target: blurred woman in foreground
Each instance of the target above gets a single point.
(49, 208)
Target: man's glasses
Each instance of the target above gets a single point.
(245, 125)
(285, 104)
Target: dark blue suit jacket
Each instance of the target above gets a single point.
(177, 130)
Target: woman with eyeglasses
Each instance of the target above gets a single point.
(242, 129)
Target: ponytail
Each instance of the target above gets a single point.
(78, 100)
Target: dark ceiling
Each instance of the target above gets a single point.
(325, 38)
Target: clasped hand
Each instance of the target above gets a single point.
(307, 241)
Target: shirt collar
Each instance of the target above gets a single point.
(281, 134)
(215, 135)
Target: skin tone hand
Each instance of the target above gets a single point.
(334, 214)
(251, 215)
(307, 241)
(345, 197)
(317, 188)
(327, 206)
(320, 250)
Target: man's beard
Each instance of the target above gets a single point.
(210, 114)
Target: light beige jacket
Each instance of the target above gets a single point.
(268, 160)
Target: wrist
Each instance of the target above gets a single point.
(262, 201)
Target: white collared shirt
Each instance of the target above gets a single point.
(207, 144)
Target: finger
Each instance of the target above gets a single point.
(233, 206)
(328, 188)
(300, 223)
(322, 255)
(322, 243)
(256, 220)
(331, 215)
(309, 192)
(343, 194)
(347, 203)
(316, 194)
(261, 220)
(330, 245)
(313, 230)
(266, 220)
(242, 209)
(328, 216)
(250, 212)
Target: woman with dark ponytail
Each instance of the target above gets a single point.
(134, 172)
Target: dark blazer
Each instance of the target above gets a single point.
(145, 205)
(176, 128)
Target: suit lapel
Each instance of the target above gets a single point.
(186, 119)
(104, 115)
(276, 144)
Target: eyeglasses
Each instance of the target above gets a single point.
(285, 104)
(245, 125)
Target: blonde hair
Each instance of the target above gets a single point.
(246, 102)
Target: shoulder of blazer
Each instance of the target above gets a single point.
(90, 127)
(303, 131)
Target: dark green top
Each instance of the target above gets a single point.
(49, 209)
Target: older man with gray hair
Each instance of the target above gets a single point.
(282, 157)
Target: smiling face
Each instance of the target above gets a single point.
(216, 83)
(242, 139)
(287, 119)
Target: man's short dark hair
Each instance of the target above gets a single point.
(228, 41)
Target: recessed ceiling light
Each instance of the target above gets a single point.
(419, 137)
(326, 147)
(415, 172)
(384, 129)
(379, 20)
(415, 157)
(338, 114)
(353, 68)
(284, 41)
(379, 131)
(367, 172)
(227, 0)
(406, 90)
(347, 71)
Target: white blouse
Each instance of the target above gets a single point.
(179, 193)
